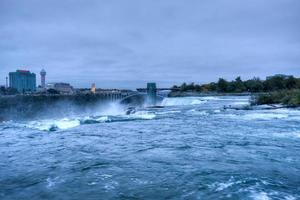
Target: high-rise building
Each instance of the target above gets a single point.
(43, 78)
(22, 80)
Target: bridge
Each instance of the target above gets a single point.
(149, 96)
(145, 96)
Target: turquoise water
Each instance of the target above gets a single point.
(190, 149)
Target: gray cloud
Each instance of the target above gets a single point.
(127, 43)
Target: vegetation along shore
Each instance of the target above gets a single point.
(277, 89)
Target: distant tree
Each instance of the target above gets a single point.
(212, 86)
(174, 87)
(290, 82)
(198, 88)
(298, 83)
(231, 87)
(239, 85)
(183, 87)
(254, 85)
(222, 85)
(190, 87)
(274, 83)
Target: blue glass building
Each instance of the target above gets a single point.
(22, 80)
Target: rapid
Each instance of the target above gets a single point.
(189, 148)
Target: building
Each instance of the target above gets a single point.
(23, 81)
(43, 78)
(93, 89)
(64, 88)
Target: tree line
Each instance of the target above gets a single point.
(272, 83)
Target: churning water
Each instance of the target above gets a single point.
(190, 149)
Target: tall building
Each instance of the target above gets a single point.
(43, 78)
(22, 80)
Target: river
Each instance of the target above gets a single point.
(191, 148)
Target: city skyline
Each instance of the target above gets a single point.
(126, 44)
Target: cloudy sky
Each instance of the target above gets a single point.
(126, 43)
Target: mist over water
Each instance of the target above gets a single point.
(191, 148)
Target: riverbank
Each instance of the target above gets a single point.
(204, 94)
(289, 98)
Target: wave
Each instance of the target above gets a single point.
(62, 124)
(53, 125)
(265, 116)
(182, 101)
(260, 196)
(220, 186)
(198, 112)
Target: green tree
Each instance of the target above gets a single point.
(239, 85)
(274, 83)
(254, 85)
(222, 85)
(291, 82)
(183, 87)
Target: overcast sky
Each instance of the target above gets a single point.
(126, 43)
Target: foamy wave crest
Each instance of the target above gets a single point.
(182, 101)
(142, 115)
(198, 112)
(210, 98)
(61, 124)
(52, 125)
(260, 196)
(264, 116)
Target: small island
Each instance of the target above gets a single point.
(277, 89)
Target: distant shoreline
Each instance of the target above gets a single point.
(203, 94)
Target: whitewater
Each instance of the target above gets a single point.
(189, 148)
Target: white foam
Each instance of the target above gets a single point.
(169, 112)
(293, 134)
(241, 103)
(142, 115)
(222, 186)
(219, 186)
(210, 98)
(264, 116)
(98, 119)
(182, 101)
(260, 196)
(198, 112)
(46, 125)
(51, 182)
(289, 197)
